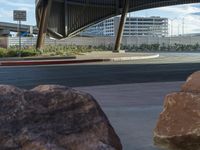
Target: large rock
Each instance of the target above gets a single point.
(192, 84)
(53, 117)
(178, 126)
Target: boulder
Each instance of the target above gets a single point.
(178, 127)
(192, 84)
(52, 117)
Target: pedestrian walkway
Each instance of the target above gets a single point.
(117, 56)
(133, 109)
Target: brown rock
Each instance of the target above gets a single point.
(193, 83)
(178, 127)
(53, 117)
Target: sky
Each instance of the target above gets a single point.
(181, 17)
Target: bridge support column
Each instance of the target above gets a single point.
(44, 17)
(121, 26)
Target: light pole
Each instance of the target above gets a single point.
(129, 25)
(181, 23)
(171, 20)
(183, 26)
(130, 28)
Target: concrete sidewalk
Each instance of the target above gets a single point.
(133, 110)
(92, 57)
(124, 56)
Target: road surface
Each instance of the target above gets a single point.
(96, 74)
(132, 108)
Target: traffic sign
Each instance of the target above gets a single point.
(19, 15)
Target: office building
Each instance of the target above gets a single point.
(135, 26)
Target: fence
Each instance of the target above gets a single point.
(4, 42)
(105, 41)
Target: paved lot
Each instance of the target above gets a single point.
(133, 110)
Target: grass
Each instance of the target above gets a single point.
(58, 50)
(16, 53)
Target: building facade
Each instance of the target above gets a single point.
(135, 26)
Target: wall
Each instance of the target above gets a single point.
(96, 41)
(26, 41)
(4, 42)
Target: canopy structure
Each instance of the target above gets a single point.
(65, 18)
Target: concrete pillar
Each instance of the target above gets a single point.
(121, 26)
(44, 17)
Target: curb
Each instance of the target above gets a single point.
(52, 62)
(134, 58)
(35, 58)
(59, 62)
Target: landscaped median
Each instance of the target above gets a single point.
(48, 51)
(60, 54)
(93, 57)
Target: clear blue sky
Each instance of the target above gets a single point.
(190, 13)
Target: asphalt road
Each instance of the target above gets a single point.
(132, 109)
(96, 74)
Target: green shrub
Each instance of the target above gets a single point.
(12, 53)
(22, 53)
(28, 53)
(2, 52)
(72, 50)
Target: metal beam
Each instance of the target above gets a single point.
(44, 18)
(95, 11)
(90, 4)
(121, 26)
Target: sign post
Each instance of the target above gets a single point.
(19, 15)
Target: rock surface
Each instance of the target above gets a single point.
(178, 127)
(192, 84)
(51, 117)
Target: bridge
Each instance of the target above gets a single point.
(65, 18)
(5, 28)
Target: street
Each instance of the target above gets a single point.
(96, 74)
(130, 93)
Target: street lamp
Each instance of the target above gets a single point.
(172, 20)
(183, 26)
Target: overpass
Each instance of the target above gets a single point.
(65, 18)
(6, 27)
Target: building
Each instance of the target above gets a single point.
(135, 26)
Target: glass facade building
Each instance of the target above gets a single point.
(135, 26)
